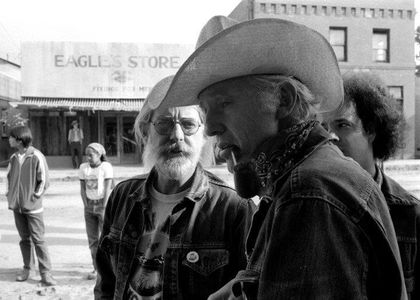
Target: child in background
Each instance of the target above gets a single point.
(96, 176)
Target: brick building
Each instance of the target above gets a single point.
(375, 35)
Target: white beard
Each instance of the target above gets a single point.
(172, 167)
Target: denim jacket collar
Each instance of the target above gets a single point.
(269, 163)
(394, 193)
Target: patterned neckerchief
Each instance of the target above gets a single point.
(281, 154)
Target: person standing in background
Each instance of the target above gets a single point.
(27, 180)
(368, 128)
(75, 139)
(96, 177)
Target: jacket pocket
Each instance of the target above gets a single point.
(206, 261)
(204, 270)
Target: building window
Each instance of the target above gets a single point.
(398, 94)
(283, 8)
(381, 13)
(338, 40)
(409, 14)
(273, 8)
(380, 45)
(263, 7)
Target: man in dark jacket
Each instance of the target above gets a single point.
(27, 176)
(369, 129)
(177, 232)
(322, 229)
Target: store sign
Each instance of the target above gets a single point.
(97, 70)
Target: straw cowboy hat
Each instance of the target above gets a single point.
(259, 46)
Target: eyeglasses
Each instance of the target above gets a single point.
(166, 126)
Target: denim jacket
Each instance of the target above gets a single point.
(405, 214)
(322, 232)
(212, 221)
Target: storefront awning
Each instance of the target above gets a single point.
(82, 104)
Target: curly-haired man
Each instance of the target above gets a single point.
(369, 129)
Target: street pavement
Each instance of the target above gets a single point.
(66, 236)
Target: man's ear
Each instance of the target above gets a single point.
(287, 100)
(144, 131)
(371, 136)
(370, 132)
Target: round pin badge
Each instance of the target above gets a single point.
(192, 257)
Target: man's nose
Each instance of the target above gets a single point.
(177, 132)
(334, 136)
(213, 125)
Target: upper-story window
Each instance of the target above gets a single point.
(338, 40)
(398, 93)
(380, 45)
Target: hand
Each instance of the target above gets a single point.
(225, 293)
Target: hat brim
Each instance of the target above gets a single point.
(261, 46)
(158, 92)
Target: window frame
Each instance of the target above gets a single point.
(345, 46)
(399, 101)
(386, 32)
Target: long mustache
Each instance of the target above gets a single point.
(169, 148)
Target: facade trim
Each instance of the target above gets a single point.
(337, 11)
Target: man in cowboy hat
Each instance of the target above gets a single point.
(177, 232)
(322, 229)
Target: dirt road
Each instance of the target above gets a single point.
(68, 247)
(66, 237)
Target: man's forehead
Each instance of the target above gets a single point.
(347, 112)
(181, 112)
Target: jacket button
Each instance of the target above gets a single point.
(193, 257)
(134, 234)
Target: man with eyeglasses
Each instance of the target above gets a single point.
(177, 232)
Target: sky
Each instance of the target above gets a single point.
(145, 21)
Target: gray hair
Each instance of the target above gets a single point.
(305, 106)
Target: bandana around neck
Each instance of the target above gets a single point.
(273, 158)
